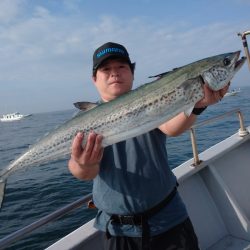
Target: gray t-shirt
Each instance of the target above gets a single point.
(134, 176)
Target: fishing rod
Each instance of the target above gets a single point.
(244, 41)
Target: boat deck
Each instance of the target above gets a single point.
(220, 209)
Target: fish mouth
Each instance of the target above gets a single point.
(239, 63)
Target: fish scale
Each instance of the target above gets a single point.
(133, 113)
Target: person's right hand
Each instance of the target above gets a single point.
(84, 161)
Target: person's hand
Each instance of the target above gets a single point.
(211, 96)
(88, 155)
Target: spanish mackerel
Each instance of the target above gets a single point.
(134, 113)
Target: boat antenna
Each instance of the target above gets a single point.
(244, 41)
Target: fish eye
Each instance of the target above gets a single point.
(226, 61)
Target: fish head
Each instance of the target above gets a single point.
(221, 69)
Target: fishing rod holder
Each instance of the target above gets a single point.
(244, 41)
(241, 132)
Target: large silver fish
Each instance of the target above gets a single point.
(134, 113)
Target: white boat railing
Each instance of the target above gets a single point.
(242, 131)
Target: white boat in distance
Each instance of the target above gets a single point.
(13, 117)
(233, 92)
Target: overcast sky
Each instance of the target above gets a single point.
(46, 46)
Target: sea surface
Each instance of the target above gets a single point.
(37, 191)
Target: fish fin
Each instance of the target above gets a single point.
(85, 105)
(2, 189)
(164, 73)
(160, 75)
(188, 111)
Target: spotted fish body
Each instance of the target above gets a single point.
(134, 113)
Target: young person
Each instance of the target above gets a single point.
(133, 186)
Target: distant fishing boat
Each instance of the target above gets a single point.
(13, 117)
(233, 92)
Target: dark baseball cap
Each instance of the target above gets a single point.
(110, 50)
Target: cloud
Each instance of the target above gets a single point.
(10, 10)
(50, 55)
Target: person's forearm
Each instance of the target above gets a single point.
(178, 124)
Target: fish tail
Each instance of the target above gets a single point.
(2, 189)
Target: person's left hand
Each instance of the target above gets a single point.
(211, 96)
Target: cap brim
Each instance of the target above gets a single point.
(110, 57)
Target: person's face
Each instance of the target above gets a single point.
(113, 78)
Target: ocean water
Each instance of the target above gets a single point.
(37, 191)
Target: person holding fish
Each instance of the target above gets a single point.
(134, 189)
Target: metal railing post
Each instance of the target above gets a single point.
(242, 130)
(194, 147)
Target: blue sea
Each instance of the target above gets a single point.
(37, 191)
